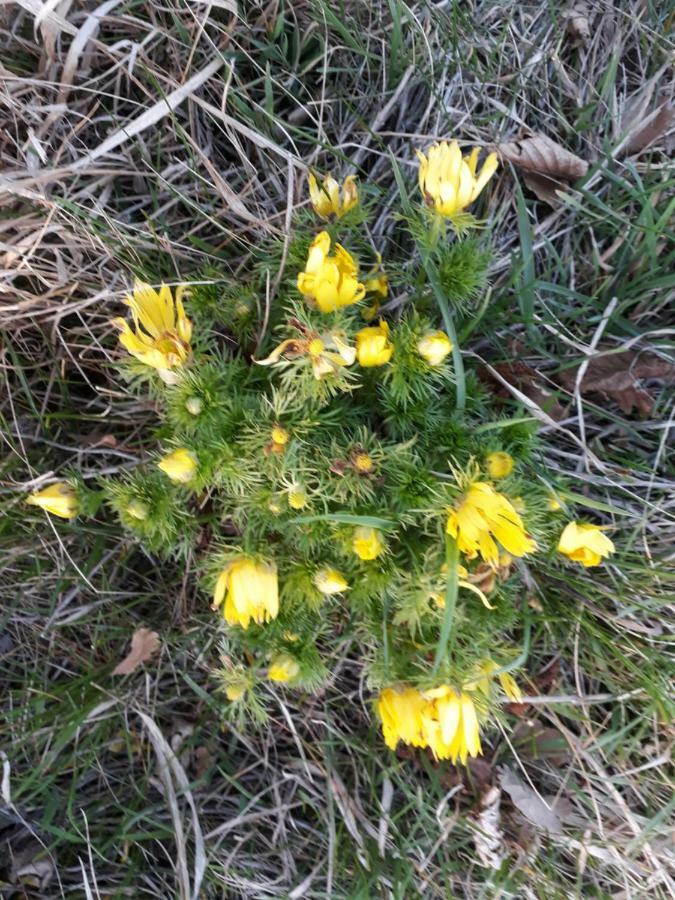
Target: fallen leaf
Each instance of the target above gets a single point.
(617, 376)
(537, 153)
(529, 803)
(528, 381)
(645, 118)
(576, 23)
(544, 188)
(144, 644)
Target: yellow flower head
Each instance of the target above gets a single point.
(327, 199)
(330, 281)
(499, 464)
(250, 590)
(373, 347)
(161, 334)
(443, 719)
(280, 435)
(363, 463)
(367, 542)
(449, 181)
(434, 346)
(235, 692)
(283, 668)
(59, 499)
(553, 503)
(330, 581)
(482, 516)
(585, 543)
(507, 681)
(451, 724)
(180, 465)
(401, 712)
(137, 509)
(297, 498)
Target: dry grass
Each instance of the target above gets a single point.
(167, 140)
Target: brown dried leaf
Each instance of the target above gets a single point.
(528, 381)
(539, 154)
(617, 375)
(648, 130)
(576, 23)
(544, 188)
(536, 741)
(144, 644)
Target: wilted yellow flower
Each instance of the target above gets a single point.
(463, 582)
(499, 464)
(330, 581)
(327, 199)
(283, 668)
(449, 182)
(401, 713)
(434, 346)
(330, 281)
(373, 347)
(507, 681)
(138, 510)
(482, 515)
(180, 465)
(327, 353)
(443, 719)
(250, 590)
(585, 543)
(59, 499)
(162, 331)
(451, 724)
(367, 542)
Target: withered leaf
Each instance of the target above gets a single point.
(576, 23)
(529, 803)
(646, 116)
(528, 381)
(648, 130)
(537, 153)
(617, 376)
(144, 643)
(536, 741)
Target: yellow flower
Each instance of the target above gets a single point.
(463, 582)
(326, 353)
(138, 510)
(499, 464)
(401, 712)
(330, 581)
(482, 515)
(585, 543)
(180, 465)
(373, 347)
(367, 542)
(250, 590)
(553, 503)
(326, 200)
(378, 285)
(162, 331)
(363, 463)
(280, 435)
(449, 182)
(235, 692)
(451, 725)
(507, 681)
(434, 346)
(297, 498)
(283, 668)
(59, 499)
(330, 281)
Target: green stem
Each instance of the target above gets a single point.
(451, 586)
(458, 362)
